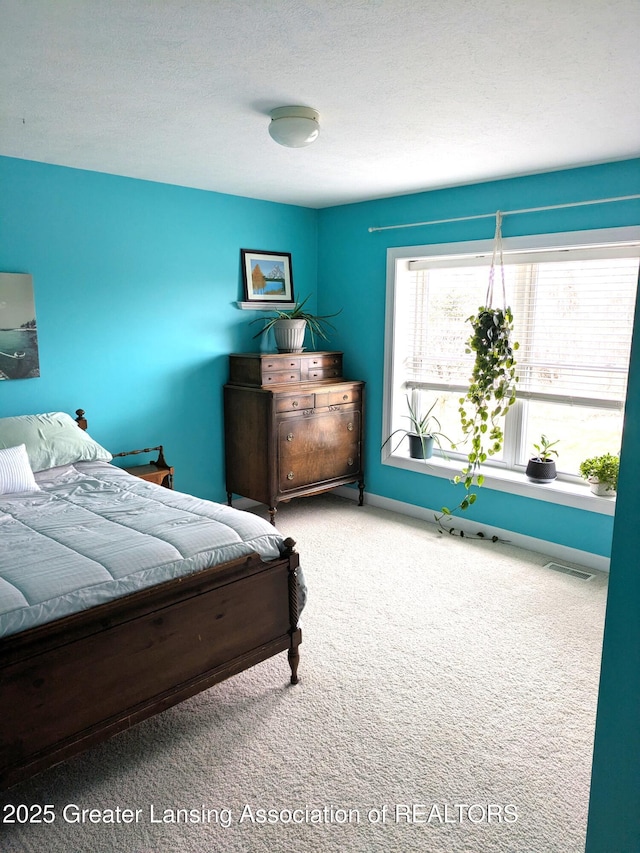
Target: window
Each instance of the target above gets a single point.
(573, 300)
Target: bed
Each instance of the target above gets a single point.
(120, 598)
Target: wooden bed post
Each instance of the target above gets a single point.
(81, 420)
(294, 632)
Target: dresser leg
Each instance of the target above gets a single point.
(361, 489)
(272, 515)
(229, 496)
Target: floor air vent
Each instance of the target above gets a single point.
(567, 570)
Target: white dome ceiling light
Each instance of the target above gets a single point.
(294, 127)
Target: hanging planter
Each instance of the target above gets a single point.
(493, 382)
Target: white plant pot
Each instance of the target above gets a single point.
(289, 335)
(603, 490)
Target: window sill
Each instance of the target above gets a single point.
(576, 495)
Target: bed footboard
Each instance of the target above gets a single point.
(72, 683)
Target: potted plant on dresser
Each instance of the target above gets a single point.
(290, 326)
(424, 431)
(541, 468)
(601, 472)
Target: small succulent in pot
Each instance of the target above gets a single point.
(541, 468)
(601, 472)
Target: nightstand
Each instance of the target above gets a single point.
(155, 472)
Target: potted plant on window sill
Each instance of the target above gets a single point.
(601, 472)
(424, 432)
(290, 325)
(541, 468)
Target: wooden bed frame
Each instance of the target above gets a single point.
(72, 683)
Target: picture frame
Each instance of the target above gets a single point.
(267, 276)
(19, 354)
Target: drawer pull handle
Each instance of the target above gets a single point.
(345, 397)
(290, 475)
(350, 461)
(295, 404)
(350, 427)
(290, 437)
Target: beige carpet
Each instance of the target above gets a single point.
(448, 687)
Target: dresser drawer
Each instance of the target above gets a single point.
(318, 448)
(324, 373)
(279, 363)
(338, 397)
(259, 369)
(294, 402)
(280, 377)
(326, 365)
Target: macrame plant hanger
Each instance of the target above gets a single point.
(497, 255)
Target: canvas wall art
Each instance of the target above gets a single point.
(18, 332)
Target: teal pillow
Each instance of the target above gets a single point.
(51, 440)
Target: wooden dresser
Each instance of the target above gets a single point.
(293, 426)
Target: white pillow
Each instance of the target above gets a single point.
(51, 440)
(15, 472)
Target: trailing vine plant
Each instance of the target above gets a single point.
(493, 386)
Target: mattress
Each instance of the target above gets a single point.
(94, 533)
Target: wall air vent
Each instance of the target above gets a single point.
(567, 570)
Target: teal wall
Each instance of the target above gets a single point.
(352, 274)
(135, 284)
(614, 814)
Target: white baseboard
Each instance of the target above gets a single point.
(542, 546)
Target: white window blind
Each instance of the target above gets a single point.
(573, 319)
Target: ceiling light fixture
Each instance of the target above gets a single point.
(294, 127)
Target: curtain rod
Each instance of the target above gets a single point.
(506, 213)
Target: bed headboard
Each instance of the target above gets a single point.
(80, 419)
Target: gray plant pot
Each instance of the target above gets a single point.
(541, 470)
(420, 447)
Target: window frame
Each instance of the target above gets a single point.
(498, 477)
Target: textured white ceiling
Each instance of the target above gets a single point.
(412, 94)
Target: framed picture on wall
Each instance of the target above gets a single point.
(267, 276)
(19, 358)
